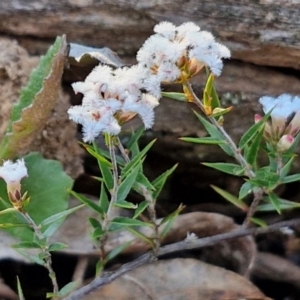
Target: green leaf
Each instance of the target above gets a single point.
(36, 102)
(282, 204)
(141, 179)
(245, 190)
(215, 133)
(105, 170)
(94, 222)
(290, 178)
(286, 168)
(57, 247)
(90, 203)
(68, 288)
(252, 150)
(259, 222)
(126, 184)
(141, 236)
(30, 245)
(98, 156)
(232, 169)
(253, 130)
(231, 198)
(20, 291)
(136, 160)
(33, 258)
(125, 222)
(204, 140)
(103, 200)
(60, 215)
(159, 182)
(175, 96)
(99, 268)
(265, 178)
(98, 232)
(133, 142)
(47, 185)
(8, 211)
(275, 201)
(141, 207)
(125, 204)
(116, 251)
(171, 215)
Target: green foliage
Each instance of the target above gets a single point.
(232, 169)
(47, 185)
(175, 96)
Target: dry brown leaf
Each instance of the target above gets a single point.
(178, 279)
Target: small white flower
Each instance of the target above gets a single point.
(284, 116)
(12, 174)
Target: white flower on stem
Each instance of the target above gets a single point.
(12, 174)
(285, 116)
(285, 143)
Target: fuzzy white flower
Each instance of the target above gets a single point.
(12, 174)
(112, 98)
(181, 46)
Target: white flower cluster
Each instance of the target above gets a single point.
(109, 94)
(172, 48)
(112, 97)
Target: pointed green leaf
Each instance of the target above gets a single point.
(141, 236)
(60, 215)
(245, 190)
(141, 207)
(94, 222)
(204, 140)
(125, 204)
(259, 222)
(175, 96)
(98, 232)
(8, 211)
(141, 179)
(275, 201)
(168, 221)
(282, 204)
(103, 200)
(232, 169)
(133, 142)
(105, 170)
(116, 251)
(290, 178)
(99, 268)
(125, 222)
(30, 245)
(252, 151)
(159, 182)
(20, 291)
(253, 130)
(57, 247)
(231, 198)
(126, 184)
(68, 288)
(136, 160)
(286, 168)
(90, 203)
(98, 156)
(215, 133)
(33, 258)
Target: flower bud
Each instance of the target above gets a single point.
(285, 143)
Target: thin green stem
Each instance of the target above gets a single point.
(45, 251)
